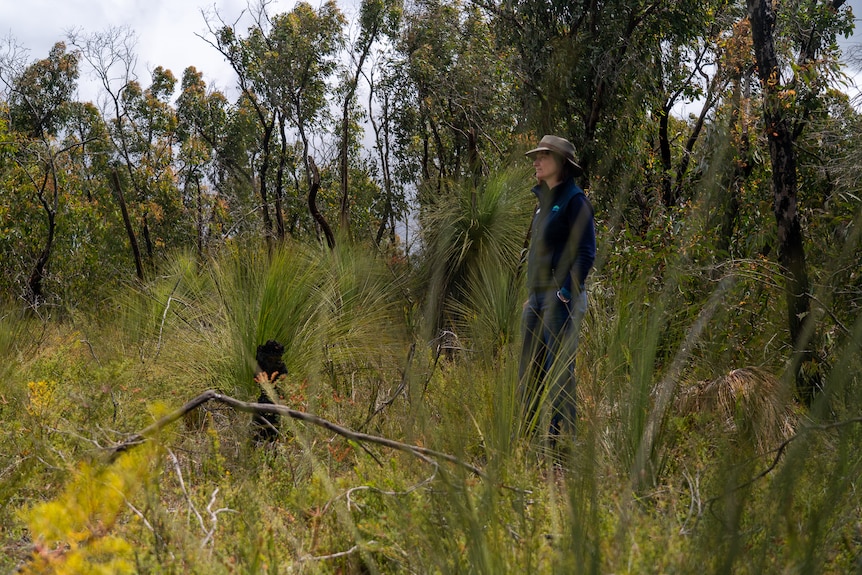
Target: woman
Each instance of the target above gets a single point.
(562, 252)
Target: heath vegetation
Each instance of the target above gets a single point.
(365, 202)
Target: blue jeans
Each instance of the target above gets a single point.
(546, 372)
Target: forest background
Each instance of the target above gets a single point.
(363, 199)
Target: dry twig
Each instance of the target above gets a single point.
(779, 452)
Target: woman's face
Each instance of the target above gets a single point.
(548, 166)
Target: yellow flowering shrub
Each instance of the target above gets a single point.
(40, 397)
(75, 533)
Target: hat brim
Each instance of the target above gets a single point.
(532, 153)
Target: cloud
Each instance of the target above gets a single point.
(168, 31)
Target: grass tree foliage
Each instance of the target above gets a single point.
(474, 236)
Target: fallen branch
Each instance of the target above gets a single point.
(261, 408)
(349, 493)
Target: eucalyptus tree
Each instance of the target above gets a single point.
(697, 61)
(147, 134)
(305, 44)
(461, 93)
(201, 132)
(237, 158)
(593, 71)
(239, 54)
(382, 147)
(111, 56)
(797, 54)
(141, 124)
(95, 257)
(283, 66)
(39, 98)
(391, 139)
(377, 18)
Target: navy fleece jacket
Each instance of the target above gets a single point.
(563, 243)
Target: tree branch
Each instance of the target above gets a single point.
(212, 395)
(779, 452)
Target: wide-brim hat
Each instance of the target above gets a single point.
(559, 146)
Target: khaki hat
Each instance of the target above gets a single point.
(559, 146)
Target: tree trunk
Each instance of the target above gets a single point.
(382, 139)
(34, 282)
(279, 182)
(742, 165)
(685, 160)
(314, 186)
(262, 177)
(345, 129)
(667, 197)
(148, 242)
(127, 222)
(791, 251)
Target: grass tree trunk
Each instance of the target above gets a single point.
(791, 251)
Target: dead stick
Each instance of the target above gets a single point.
(213, 395)
(398, 391)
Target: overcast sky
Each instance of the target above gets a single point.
(167, 30)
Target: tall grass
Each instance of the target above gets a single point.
(722, 485)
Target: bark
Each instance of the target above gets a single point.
(791, 250)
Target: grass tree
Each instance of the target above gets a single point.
(472, 235)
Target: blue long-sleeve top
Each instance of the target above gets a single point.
(563, 243)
